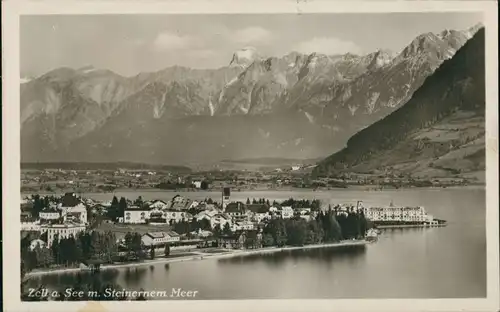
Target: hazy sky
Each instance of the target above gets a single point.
(129, 44)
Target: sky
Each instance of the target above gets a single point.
(130, 44)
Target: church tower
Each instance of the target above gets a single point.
(226, 194)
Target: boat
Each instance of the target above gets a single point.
(371, 235)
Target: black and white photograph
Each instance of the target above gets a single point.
(247, 155)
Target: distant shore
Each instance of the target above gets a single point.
(200, 255)
(368, 188)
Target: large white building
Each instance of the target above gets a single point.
(169, 215)
(77, 213)
(286, 212)
(49, 215)
(220, 219)
(135, 214)
(392, 213)
(242, 226)
(61, 230)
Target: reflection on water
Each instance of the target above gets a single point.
(310, 255)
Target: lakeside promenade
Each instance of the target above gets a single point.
(199, 255)
(403, 226)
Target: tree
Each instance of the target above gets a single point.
(54, 248)
(113, 211)
(137, 246)
(139, 202)
(267, 240)
(204, 185)
(205, 224)
(296, 230)
(217, 230)
(227, 229)
(248, 201)
(122, 206)
(44, 257)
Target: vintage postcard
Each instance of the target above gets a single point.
(250, 155)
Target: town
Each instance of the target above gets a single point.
(73, 232)
(37, 180)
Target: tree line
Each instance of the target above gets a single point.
(328, 226)
(67, 251)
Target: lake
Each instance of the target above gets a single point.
(447, 262)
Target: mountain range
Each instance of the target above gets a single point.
(439, 132)
(295, 106)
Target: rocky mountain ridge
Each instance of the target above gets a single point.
(439, 132)
(327, 97)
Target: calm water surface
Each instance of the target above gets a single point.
(447, 262)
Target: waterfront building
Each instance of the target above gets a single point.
(393, 213)
(63, 230)
(232, 241)
(159, 238)
(242, 226)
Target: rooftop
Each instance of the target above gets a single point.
(257, 208)
(235, 207)
(63, 225)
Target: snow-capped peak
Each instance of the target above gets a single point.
(87, 69)
(25, 79)
(244, 57)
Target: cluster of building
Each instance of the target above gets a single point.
(68, 217)
(237, 215)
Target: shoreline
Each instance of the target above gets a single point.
(202, 256)
(384, 227)
(366, 188)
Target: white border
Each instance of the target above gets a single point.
(11, 149)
